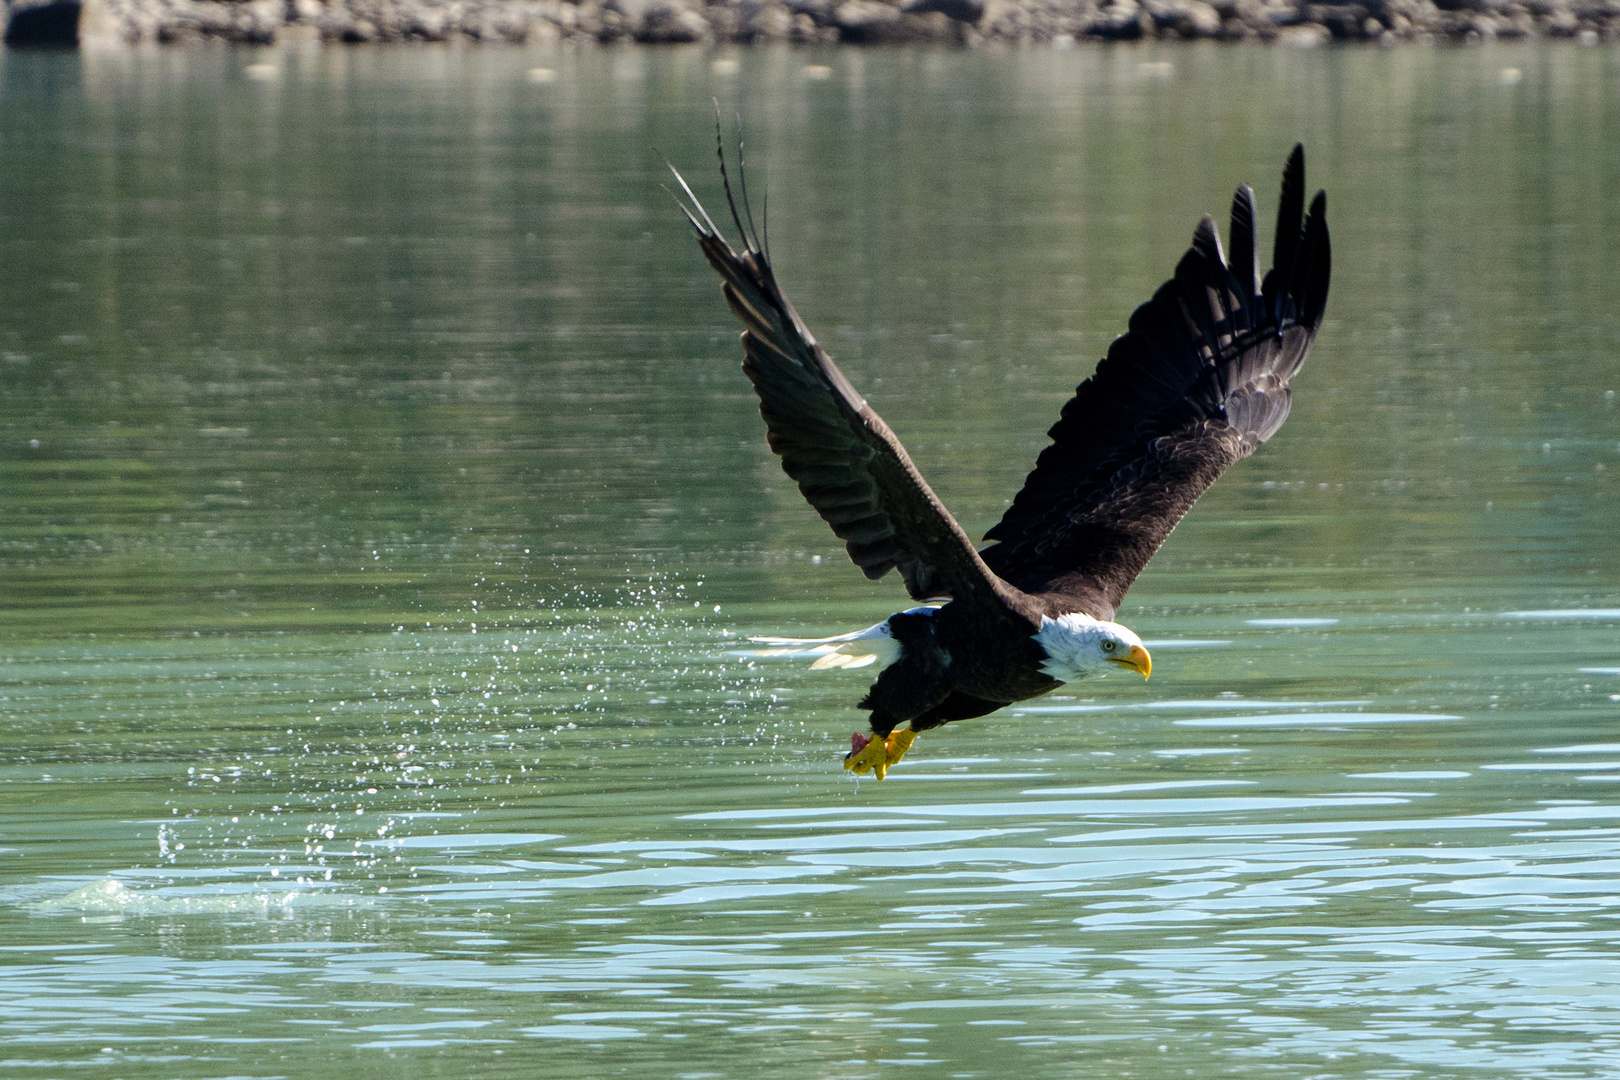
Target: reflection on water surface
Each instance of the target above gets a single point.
(385, 518)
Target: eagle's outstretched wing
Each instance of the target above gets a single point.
(1198, 381)
(847, 462)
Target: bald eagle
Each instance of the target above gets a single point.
(1196, 383)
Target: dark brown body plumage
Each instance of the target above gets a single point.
(955, 665)
(1197, 382)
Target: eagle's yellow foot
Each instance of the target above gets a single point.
(876, 755)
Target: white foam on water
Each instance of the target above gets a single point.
(1314, 720)
(778, 813)
(1553, 766)
(841, 824)
(296, 947)
(1204, 751)
(680, 876)
(110, 896)
(403, 1044)
(1188, 704)
(1084, 807)
(584, 1032)
(1160, 785)
(895, 774)
(1291, 622)
(864, 839)
(462, 840)
(719, 893)
(1563, 613)
(1580, 748)
(427, 1025)
(1317, 831)
(1403, 794)
(1245, 703)
(1436, 774)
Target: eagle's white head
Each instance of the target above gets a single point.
(1078, 645)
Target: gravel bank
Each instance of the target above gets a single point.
(959, 22)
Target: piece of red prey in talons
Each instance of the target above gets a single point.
(873, 755)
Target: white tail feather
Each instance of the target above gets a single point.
(856, 649)
(842, 658)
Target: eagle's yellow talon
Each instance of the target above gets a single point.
(896, 745)
(876, 755)
(866, 756)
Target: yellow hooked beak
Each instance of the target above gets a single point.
(1137, 658)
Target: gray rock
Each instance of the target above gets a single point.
(55, 23)
(1183, 18)
(748, 21)
(865, 20)
(1562, 24)
(967, 11)
(670, 24)
(1120, 21)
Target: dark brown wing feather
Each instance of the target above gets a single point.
(1198, 381)
(846, 461)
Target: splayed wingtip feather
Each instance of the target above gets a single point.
(837, 659)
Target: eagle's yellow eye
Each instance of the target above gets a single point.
(1108, 646)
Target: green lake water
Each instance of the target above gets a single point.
(383, 516)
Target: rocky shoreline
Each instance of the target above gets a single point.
(858, 22)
